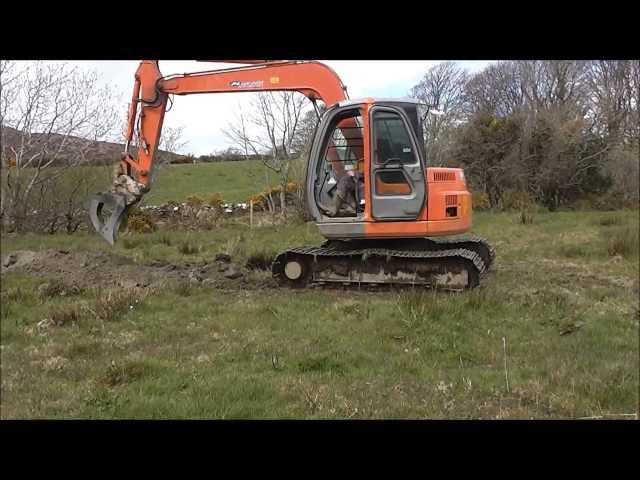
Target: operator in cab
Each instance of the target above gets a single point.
(350, 189)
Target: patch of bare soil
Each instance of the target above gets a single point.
(101, 269)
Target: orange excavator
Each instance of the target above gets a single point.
(387, 217)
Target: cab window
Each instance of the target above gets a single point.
(393, 142)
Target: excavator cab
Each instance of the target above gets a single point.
(390, 167)
(376, 145)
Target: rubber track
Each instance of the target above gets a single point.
(316, 251)
(464, 239)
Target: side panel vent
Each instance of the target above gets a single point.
(444, 176)
(451, 200)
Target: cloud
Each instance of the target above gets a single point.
(204, 117)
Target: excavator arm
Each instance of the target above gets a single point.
(148, 105)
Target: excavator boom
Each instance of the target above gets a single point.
(146, 115)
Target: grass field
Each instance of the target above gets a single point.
(552, 333)
(235, 181)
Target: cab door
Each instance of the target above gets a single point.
(396, 174)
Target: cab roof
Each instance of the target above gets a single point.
(358, 101)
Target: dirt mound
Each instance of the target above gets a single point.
(101, 269)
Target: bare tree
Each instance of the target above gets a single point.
(242, 131)
(270, 131)
(441, 88)
(51, 117)
(304, 134)
(613, 89)
(60, 205)
(496, 90)
(614, 99)
(171, 141)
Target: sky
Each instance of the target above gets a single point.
(204, 117)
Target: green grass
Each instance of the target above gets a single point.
(623, 242)
(566, 308)
(235, 181)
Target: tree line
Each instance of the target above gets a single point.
(555, 131)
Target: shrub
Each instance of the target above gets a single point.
(259, 201)
(293, 187)
(194, 201)
(262, 200)
(480, 201)
(216, 200)
(140, 222)
(517, 200)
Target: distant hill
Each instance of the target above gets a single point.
(97, 152)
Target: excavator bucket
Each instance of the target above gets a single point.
(107, 210)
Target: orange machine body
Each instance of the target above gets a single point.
(433, 220)
(442, 194)
(447, 205)
(447, 209)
